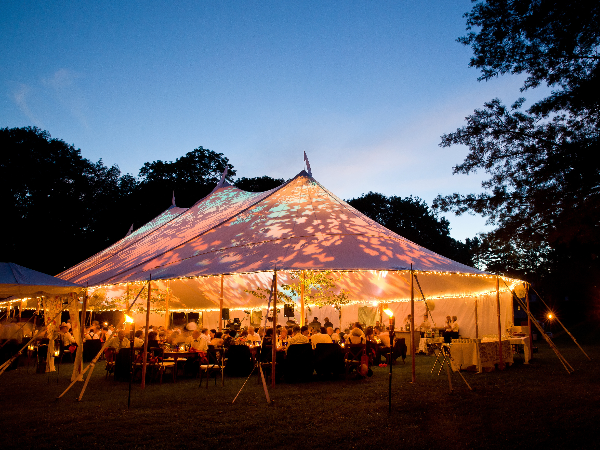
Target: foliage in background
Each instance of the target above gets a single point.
(411, 218)
(258, 184)
(543, 190)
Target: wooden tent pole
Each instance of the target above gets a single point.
(501, 364)
(167, 313)
(274, 340)
(221, 306)
(302, 274)
(412, 324)
(529, 318)
(145, 354)
(476, 320)
(82, 322)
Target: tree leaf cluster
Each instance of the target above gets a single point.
(543, 187)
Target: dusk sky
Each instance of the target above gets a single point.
(365, 88)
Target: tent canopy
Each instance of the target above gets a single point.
(239, 238)
(18, 281)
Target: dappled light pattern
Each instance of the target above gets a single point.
(222, 204)
(297, 226)
(159, 221)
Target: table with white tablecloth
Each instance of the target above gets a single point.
(482, 355)
(525, 342)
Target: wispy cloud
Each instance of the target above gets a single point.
(64, 87)
(21, 97)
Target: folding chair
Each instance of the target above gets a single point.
(213, 364)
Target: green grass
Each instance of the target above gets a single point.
(526, 406)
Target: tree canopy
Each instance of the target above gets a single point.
(543, 190)
(58, 207)
(258, 184)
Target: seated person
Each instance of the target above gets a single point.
(335, 336)
(137, 340)
(320, 338)
(252, 336)
(152, 340)
(217, 340)
(300, 336)
(268, 338)
(197, 343)
(118, 340)
(356, 336)
(66, 337)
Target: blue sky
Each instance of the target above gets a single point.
(365, 88)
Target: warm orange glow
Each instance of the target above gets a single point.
(128, 318)
(550, 316)
(389, 312)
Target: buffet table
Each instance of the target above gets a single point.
(481, 354)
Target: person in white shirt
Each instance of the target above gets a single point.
(198, 343)
(252, 336)
(335, 336)
(455, 325)
(320, 338)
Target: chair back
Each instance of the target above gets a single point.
(299, 363)
(329, 359)
(239, 361)
(354, 351)
(110, 355)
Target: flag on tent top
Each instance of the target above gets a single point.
(307, 165)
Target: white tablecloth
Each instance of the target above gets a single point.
(524, 341)
(481, 355)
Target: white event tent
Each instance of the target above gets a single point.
(208, 256)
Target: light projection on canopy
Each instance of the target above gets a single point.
(242, 237)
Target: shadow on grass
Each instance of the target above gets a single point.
(537, 405)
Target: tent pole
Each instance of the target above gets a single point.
(221, 306)
(529, 318)
(476, 320)
(145, 355)
(302, 274)
(501, 364)
(412, 323)
(274, 339)
(167, 314)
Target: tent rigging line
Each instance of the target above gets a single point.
(424, 300)
(92, 364)
(561, 358)
(15, 333)
(561, 324)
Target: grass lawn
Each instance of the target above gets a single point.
(526, 406)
